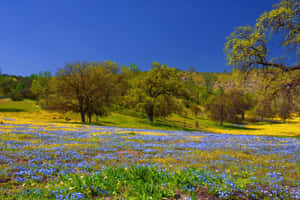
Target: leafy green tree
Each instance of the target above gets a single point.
(241, 102)
(285, 105)
(134, 68)
(159, 87)
(284, 18)
(203, 96)
(164, 105)
(285, 110)
(227, 106)
(264, 108)
(112, 66)
(195, 109)
(41, 86)
(8, 84)
(219, 107)
(16, 94)
(156, 65)
(209, 81)
(102, 90)
(71, 86)
(87, 88)
(247, 47)
(239, 77)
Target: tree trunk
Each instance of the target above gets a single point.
(90, 117)
(222, 115)
(82, 112)
(150, 117)
(47, 98)
(150, 113)
(243, 116)
(82, 117)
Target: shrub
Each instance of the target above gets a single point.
(16, 96)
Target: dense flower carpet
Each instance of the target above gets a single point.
(70, 161)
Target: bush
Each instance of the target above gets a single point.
(16, 96)
(28, 94)
(219, 108)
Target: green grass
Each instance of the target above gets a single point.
(130, 119)
(227, 126)
(136, 182)
(7, 105)
(174, 122)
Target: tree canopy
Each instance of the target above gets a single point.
(157, 91)
(247, 47)
(87, 88)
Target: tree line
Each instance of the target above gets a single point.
(95, 89)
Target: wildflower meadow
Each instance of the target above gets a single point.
(68, 161)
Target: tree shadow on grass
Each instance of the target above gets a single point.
(186, 117)
(270, 122)
(159, 124)
(11, 110)
(233, 127)
(104, 123)
(112, 124)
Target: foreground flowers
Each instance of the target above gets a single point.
(60, 161)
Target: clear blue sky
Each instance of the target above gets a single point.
(42, 35)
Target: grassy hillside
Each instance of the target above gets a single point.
(27, 111)
(7, 105)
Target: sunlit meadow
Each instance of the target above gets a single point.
(42, 160)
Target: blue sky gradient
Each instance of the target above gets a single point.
(42, 35)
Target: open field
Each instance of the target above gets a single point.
(7, 105)
(47, 155)
(29, 111)
(42, 160)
